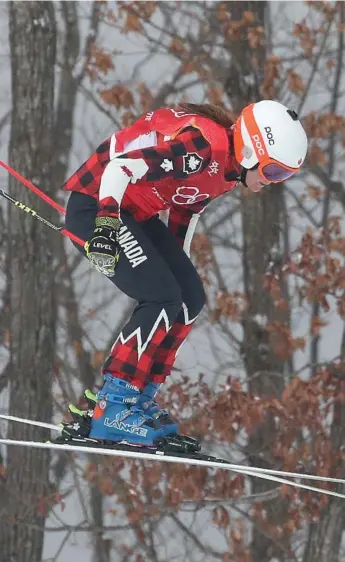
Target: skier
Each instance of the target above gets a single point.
(172, 162)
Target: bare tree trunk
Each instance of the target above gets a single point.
(261, 219)
(25, 496)
(67, 98)
(260, 216)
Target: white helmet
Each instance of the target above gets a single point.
(269, 136)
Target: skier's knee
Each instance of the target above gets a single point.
(196, 299)
(172, 294)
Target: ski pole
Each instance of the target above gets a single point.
(34, 214)
(33, 188)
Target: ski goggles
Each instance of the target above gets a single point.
(274, 172)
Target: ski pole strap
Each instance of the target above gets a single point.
(33, 188)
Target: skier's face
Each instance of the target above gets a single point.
(255, 181)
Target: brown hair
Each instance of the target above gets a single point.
(213, 112)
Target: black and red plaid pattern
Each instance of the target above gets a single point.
(165, 356)
(109, 208)
(178, 223)
(189, 140)
(87, 178)
(165, 167)
(124, 361)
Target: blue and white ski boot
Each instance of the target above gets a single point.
(119, 417)
(148, 403)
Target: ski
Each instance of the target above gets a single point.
(31, 422)
(92, 446)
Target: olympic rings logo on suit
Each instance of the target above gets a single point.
(188, 195)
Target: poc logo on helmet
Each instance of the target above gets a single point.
(269, 135)
(258, 145)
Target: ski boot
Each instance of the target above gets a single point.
(151, 408)
(115, 418)
(79, 431)
(118, 417)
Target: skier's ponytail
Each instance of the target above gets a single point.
(214, 112)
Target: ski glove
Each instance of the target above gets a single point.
(103, 248)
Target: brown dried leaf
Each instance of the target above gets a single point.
(145, 97)
(119, 96)
(3, 473)
(222, 11)
(6, 338)
(221, 517)
(255, 37)
(60, 501)
(188, 67)
(100, 62)
(128, 118)
(248, 17)
(307, 37)
(295, 82)
(298, 343)
(236, 535)
(316, 155)
(110, 16)
(145, 9)
(236, 385)
(77, 347)
(230, 304)
(98, 358)
(177, 47)
(338, 245)
(341, 306)
(132, 23)
(281, 340)
(315, 192)
(272, 70)
(233, 29)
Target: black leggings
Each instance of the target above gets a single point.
(154, 270)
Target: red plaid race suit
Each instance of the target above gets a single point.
(169, 161)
